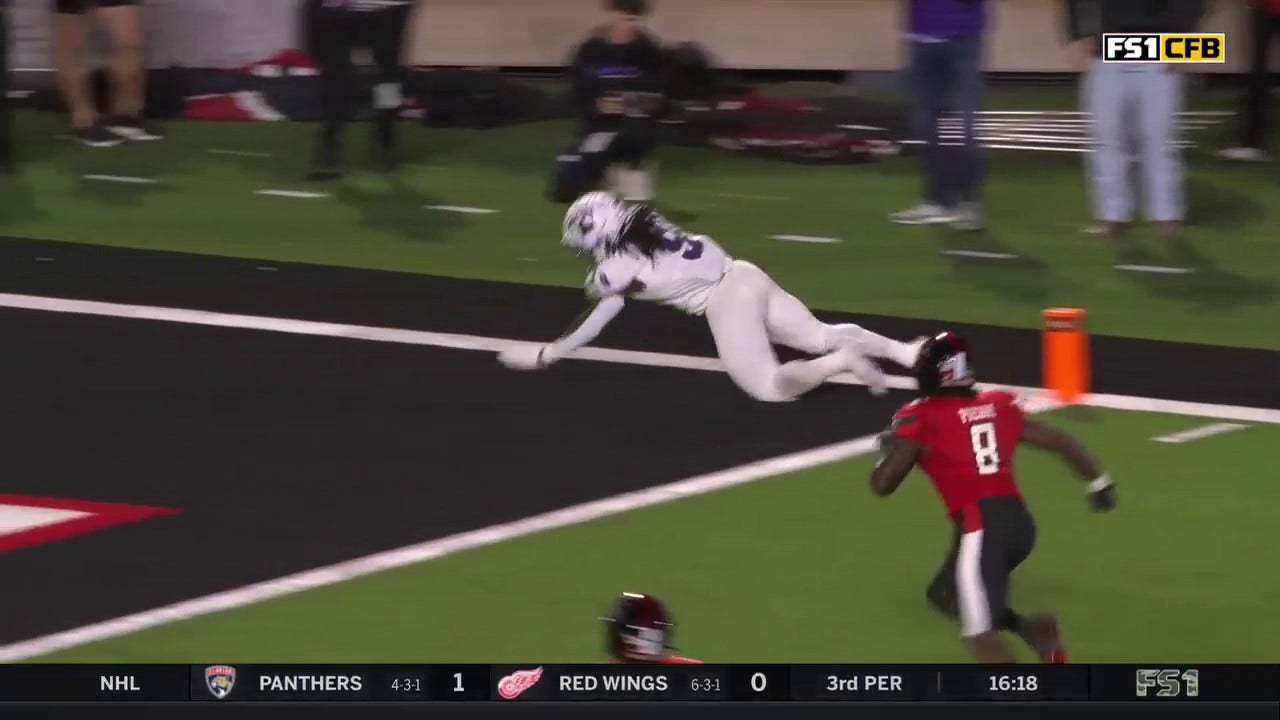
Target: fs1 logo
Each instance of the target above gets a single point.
(1170, 683)
(1164, 48)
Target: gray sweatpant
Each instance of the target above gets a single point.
(1134, 109)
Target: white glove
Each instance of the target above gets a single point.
(526, 357)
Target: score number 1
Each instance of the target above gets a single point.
(462, 682)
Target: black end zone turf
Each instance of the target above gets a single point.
(289, 452)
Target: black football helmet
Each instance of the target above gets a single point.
(943, 364)
(638, 628)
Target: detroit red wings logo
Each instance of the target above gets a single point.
(514, 685)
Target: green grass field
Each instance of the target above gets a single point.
(810, 567)
(804, 567)
(205, 203)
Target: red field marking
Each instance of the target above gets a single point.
(100, 515)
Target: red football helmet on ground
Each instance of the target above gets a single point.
(638, 629)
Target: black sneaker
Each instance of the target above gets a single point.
(134, 128)
(97, 135)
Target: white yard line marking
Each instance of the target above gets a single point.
(120, 179)
(986, 255)
(1035, 401)
(461, 209)
(804, 239)
(1156, 269)
(266, 268)
(1203, 431)
(430, 550)
(239, 153)
(44, 259)
(292, 193)
(597, 354)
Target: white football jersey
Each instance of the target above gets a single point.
(681, 274)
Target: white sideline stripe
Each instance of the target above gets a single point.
(1157, 269)
(804, 239)
(292, 193)
(238, 153)
(461, 209)
(1201, 432)
(120, 179)
(627, 357)
(981, 254)
(1182, 407)
(430, 550)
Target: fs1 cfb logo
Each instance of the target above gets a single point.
(1164, 48)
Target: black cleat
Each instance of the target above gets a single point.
(97, 135)
(134, 128)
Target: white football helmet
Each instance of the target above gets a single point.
(594, 222)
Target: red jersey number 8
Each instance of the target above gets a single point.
(985, 452)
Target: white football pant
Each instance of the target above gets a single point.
(748, 313)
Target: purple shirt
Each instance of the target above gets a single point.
(947, 18)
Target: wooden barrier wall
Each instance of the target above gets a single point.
(1027, 35)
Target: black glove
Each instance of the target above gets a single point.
(1102, 494)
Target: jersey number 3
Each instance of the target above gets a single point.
(688, 248)
(985, 452)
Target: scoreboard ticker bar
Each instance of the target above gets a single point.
(227, 683)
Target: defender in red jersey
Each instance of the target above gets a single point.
(964, 440)
(639, 629)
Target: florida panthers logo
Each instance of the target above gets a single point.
(220, 679)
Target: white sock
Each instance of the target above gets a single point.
(800, 376)
(876, 345)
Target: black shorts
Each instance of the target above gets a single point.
(80, 7)
(978, 567)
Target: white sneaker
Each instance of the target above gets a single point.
(866, 370)
(922, 214)
(1245, 154)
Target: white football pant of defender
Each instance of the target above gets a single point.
(639, 254)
